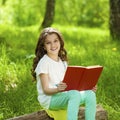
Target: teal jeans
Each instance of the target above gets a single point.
(71, 100)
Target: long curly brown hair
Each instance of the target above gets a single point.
(40, 51)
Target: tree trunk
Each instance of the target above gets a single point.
(3, 2)
(115, 19)
(101, 114)
(49, 14)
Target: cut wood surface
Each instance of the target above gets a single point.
(101, 114)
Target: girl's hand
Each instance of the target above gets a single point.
(94, 88)
(61, 86)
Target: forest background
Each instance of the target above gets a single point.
(85, 28)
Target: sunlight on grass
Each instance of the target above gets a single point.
(8, 75)
(84, 46)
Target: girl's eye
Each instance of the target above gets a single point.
(47, 43)
(56, 40)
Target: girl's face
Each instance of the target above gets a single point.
(52, 45)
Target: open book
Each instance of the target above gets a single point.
(82, 78)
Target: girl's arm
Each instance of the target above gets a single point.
(45, 85)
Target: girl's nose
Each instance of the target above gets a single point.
(52, 44)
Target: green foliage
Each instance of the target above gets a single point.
(18, 94)
(85, 46)
(19, 41)
(8, 76)
(67, 12)
(22, 12)
(82, 12)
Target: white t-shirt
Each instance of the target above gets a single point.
(56, 72)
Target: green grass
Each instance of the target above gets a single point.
(85, 46)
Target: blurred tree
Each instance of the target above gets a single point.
(3, 2)
(26, 12)
(88, 13)
(49, 14)
(114, 19)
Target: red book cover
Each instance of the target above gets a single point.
(82, 78)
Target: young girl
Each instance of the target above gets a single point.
(49, 66)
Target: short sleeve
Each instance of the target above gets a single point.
(42, 67)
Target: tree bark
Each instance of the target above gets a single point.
(114, 19)
(49, 14)
(101, 114)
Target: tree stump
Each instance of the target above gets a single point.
(101, 114)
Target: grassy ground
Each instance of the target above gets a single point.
(85, 47)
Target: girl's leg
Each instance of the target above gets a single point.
(69, 100)
(73, 105)
(90, 105)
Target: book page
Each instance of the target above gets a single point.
(94, 66)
